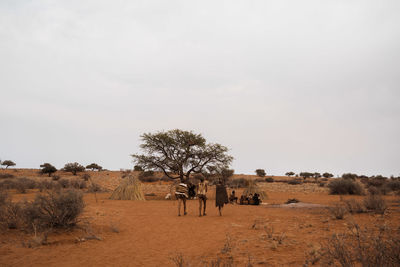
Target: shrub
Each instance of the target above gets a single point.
(344, 187)
(6, 175)
(362, 247)
(78, 184)
(377, 181)
(94, 188)
(238, 183)
(148, 179)
(22, 184)
(375, 203)
(55, 209)
(55, 177)
(64, 183)
(86, 177)
(338, 211)
(269, 180)
(350, 176)
(295, 182)
(354, 206)
(11, 215)
(393, 185)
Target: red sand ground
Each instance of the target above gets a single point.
(151, 233)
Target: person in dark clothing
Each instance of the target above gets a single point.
(233, 197)
(221, 196)
(256, 199)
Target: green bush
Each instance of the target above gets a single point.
(347, 186)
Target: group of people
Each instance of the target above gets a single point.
(183, 192)
(251, 199)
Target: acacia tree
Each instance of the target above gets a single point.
(260, 172)
(8, 163)
(94, 166)
(289, 174)
(47, 168)
(179, 153)
(74, 168)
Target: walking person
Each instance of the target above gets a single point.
(201, 194)
(181, 193)
(221, 196)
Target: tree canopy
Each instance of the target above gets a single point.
(179, 153)
(94, 166)
(47, 168)
(74, 168)
(8, 163)
(260, 172)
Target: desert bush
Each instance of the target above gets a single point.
(238, 183)
(11, 214)
(344, 187)
(86, 177)
(146, 174)
(375, 203)
(295, 182)
(78, 184)
(350, 176)
(353, 206)
(338, 211)
(6, 175)
(377, 181)
(55, 177)
(95, 188)
(148, 179)
(362, 247)
(64, 183)
(269, 180)
(23, 184)
(48, 185)
(393, 185)
(54, 209)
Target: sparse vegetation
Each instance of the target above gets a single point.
(74, 168)
(345, 187)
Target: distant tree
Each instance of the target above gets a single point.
(289, 174)
(317, 175)
(260, 172)
(47, 168)
(137, 168)
(179, 153)
(8, 163)
(327, 175)
(214, 173)
(94, 166)
(306, 175)
(74, 168)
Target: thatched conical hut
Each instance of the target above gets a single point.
(129, 189)
(253, 188)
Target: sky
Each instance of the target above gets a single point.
(286, 85)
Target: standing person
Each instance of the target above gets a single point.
(181, 193)
(221, 196)
(201, 194)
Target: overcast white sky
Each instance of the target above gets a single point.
(286, 85)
